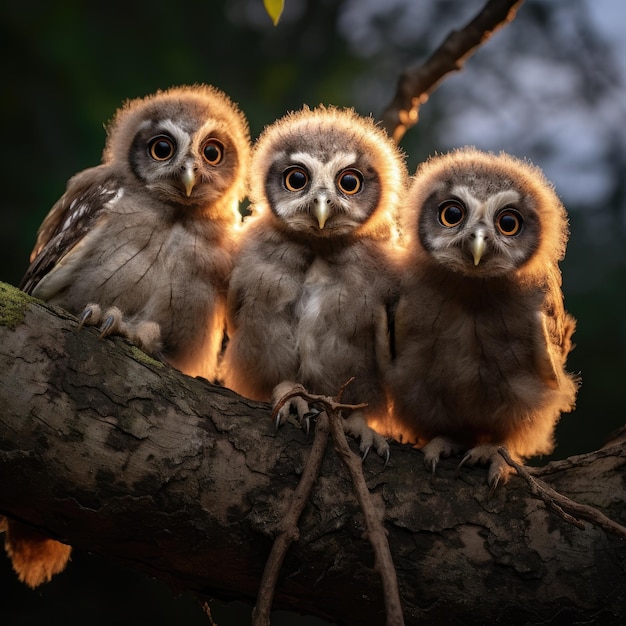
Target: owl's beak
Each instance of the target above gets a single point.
(188, 179)
(322, 210)
(478, 245)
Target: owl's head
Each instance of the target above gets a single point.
(327, 172)
(482, 214)
(190, 145)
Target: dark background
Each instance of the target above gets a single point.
(549, 86)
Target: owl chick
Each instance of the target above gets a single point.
(141, 246)
(481, 333)
(312, 283)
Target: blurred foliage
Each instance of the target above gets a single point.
(550, 86)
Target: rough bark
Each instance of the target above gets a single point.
(117, 454)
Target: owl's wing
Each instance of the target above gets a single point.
(556, 328)
(69, 220)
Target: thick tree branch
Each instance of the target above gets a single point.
(417, 83)
(114, 453)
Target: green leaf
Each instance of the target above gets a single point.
(274, 9)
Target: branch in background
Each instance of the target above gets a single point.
(416, 84)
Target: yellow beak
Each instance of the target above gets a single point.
(321, 211)
(189, 179)
(478, 245)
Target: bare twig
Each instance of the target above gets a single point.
(289, 532)
(289, 526)
(373, 520)
(417, 83)
(332, 403)
(331, 417)
(568, 509)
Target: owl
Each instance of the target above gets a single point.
(313, 277)
(141, 246)
(481, 336)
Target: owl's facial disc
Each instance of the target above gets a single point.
(319, 191)
(483, 230)
(182, 165)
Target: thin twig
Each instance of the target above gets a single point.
(331, 417)
(373, 520)
(416, 84)
(568, 509)
(332, 403)
(289, 525)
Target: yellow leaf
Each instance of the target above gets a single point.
(274, 9)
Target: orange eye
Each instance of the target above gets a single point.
(161, 148)
(451, 213)
(509, 222)
(213, 151)
(350, 181)
(295, 178)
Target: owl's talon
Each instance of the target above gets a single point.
(82, 320)
(91, 315)
(431, 464)
(106, 325)
(306, 420)
(464, 460)
(494, 486)
(365, 453)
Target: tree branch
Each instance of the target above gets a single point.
(568, 509)
(105, 449)
(417, 83)
(289, 526)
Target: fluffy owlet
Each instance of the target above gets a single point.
(312, 283)
(481, 333)
(141, 244)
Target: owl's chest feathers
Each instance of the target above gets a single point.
(184, 250)
(175, 275)
(320, 293)
(481, 336)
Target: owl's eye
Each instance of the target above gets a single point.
(161, 148)
(350, 181)
(295, 178)
(451, 213)
(213, 151)
(509, 222)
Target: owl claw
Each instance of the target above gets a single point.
(464, 460)
(90, 316)
(365, 453)
(494, 485)
(387, 457)
(436, 449)
(433, 469)
(306, 420)
(82, 320)
(106, 325)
